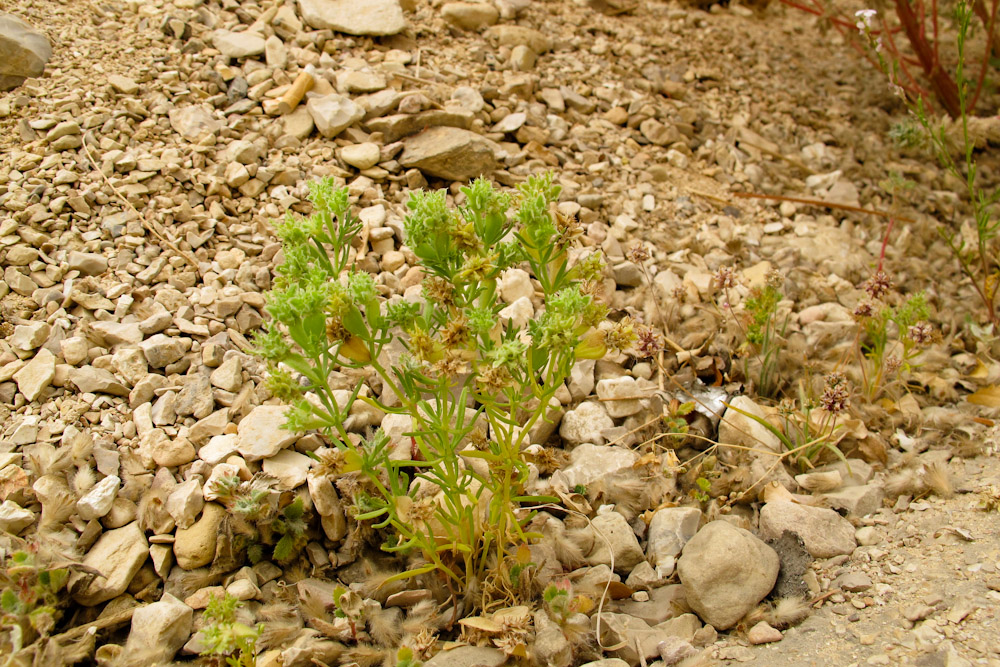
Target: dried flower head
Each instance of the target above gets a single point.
(453, 364)
(774, 278)
(864, 310)
(725, 278)
(921, 333)
(835, 398)
(440, 290)
(456, 333)
(621, 336)
(892, 365)
(878, 285)
(648, 342)
(638, 253)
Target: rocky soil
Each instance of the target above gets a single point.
(144, 159)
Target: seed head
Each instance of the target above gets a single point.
(725, 278)
(922, 333)
(638, 253)
(835, 398)
(864, 310)
(878, 285)
(648, 342)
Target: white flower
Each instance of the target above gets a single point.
(865, 20)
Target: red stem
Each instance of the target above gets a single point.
(885, 242)
(990, 29)
(944, 87)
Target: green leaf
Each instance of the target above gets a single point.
(9, 602)
(355, 323)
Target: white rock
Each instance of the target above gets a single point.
(14, 518)
(612, 391)
(738, 429)
(261, 434)
(27, 337)
(669, 530)
(515, 284)
(363, 156)
(98, 501)
(194, 121)
(117, 555)
(218, 448)
(229, 376)
(160, 629)
(185, 502)
(589, 463)
(586, 423)
(519, 312)
(289, 467)
(36, 375)
(238, 44)
(371, 17)
(615, 543)
(581, 379)
(333, 113)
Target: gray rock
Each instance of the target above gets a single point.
(726, 571)
(619, 546)
(333, 113)
(586, 423)
(238, 44)
(372, 17)
(450, 153)
(160, 629)
(824, 532)
(857, 501)
(117, 555)
(669, 530)
(36, 375)
(470, 15)
(261, 434)
(23, 51)
(853, 582)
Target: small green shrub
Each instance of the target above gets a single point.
(30, 599)
(226, 637)
(453, 487)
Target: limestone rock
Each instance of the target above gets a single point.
(363, 156)
(620, 544)
(238, 44)
(372, 17)
(117, 555)
(23, 51)
(194, 547)
(618, 396)
(589, 463)
(670, 529)
(160, 629)
(450, 153)
(97, 380)
(586, 423)
(824, 532)
(261, 434)
(98, 500)
(726, 571)
(192, 122)
(738, 429)
(470, 15)
(333, 113)
(36, 375)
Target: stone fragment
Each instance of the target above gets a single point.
(738, 429)
(824, 532)
(194, 547)
(36, 375)
(123, 84)
(726, 571)
(23, 51)
(515, 35)
(192, 122)
(162, 350)
(590, 463)
(669, 530)
(516, 284)
(468, 656)
(229, 376)
(97, 381)
(857, 501)
(87, 263)
(586, 423)
(619, 396)
(238, 44)
(762, 633)
(98, 500)
(372, 17)
(450, 153)
(619, 547)
(333, 113)
(363, 156)
(14, 518)
(116, 333)
(27, 337)
(470, 15)
(117, 556)
(261, 434)
(160, 629)
(186, 502)
(289, 467)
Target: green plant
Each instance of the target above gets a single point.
(881, 326)
(226, 637)
(762, 327)
(974, 245)
(701, 493)
(30, 599)
(451, 488)
(264, 521)
(561, 604)
(405, 658)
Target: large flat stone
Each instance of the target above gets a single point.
(450, 153)
(370, 17)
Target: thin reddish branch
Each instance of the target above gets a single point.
(990, 34)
